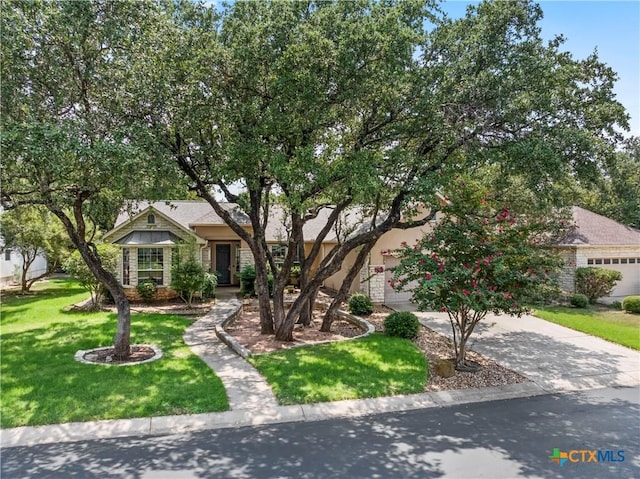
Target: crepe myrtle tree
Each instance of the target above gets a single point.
(478, 259)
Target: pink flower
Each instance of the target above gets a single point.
(466, 292)
(486, 262)
(443, 309)
(404, 243)
(431, 239)
(434, 255)
(421, 262)
(427, 275)
(507, 294)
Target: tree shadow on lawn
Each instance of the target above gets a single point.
(370, 367)
(13, 307)
(43, 383)
(511, 438)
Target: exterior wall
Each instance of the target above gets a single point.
(372, 282)
(578, 257)
(630, 283)
(393, 239)
(11, 269)
(567, 273)
(164, 293)
(335, 281)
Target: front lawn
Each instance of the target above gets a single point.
(374, 366)
(615, 326)
(41, 382)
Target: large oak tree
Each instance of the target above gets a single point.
(368, 107)
(65, 142)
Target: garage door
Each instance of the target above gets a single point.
(630, 283)
(390, 294)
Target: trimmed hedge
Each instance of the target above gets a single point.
(631, 304)
(360, 304)
(402, 324)
(579, 300)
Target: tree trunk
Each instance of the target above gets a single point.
(332, 313)
(121, 341)
(262, 291)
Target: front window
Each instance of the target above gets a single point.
(150, 265)
(278, 251)
(126, 278)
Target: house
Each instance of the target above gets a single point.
(149, 233)
(11, 267)
(604, 243)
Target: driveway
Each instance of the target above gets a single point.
(554, 357)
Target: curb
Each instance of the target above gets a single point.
(165, 425)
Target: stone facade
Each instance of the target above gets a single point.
(164, 293)
(372, 282)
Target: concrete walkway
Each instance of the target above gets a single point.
(556, 359)
(246, 389)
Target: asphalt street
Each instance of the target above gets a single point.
(498, 439)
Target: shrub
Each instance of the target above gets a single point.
(402, 324)
(579, 300)
(595, 283)
(247, 280)
(360, 304)
(631, 304)
(616, 305)
(147, 289)
(210, 284)
(77, 268)
(187, 277)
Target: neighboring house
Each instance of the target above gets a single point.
(11, 267)
(602, 242)
(148, 235)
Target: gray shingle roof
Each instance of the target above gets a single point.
(189, 213)
(597, 230)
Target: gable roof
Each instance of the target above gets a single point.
(130, 216)
(593, 229)
(192, 213)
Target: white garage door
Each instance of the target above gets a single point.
(630, 283)
(390, 294)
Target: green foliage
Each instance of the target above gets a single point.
(147, 289)
(210, 284)
(579, 300)
(402, 324)
(375, 366)
(360, 304)
(247, 280)
(31, 231)
(188, 276)
(78, 269)
(480, 257)
(595, 282)
(39, 341)
(631, 304)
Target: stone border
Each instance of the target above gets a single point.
(79, 356)
(240, 350)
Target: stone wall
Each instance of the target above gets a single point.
(372, 282)
(164, 293)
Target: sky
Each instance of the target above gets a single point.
(611, 27)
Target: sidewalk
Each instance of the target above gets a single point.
(556, 359)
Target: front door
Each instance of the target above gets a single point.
(223, 263)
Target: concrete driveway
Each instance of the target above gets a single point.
(554, 357)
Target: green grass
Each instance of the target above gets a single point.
(41, 383)
(374, 366)
(615, 326)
